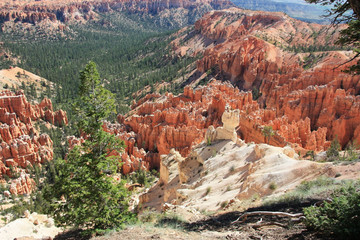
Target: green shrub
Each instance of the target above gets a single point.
(208, 141)
(143, 177)
(224, 204)
(332, 153)
(350, 153)
(340, 217)
(170, 220)
(306, 190)
(273, 186)
(208, 190)
(84, 195)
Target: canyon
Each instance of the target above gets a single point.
(61, 13)
(307, 88)
(272, 69)
(258, 99)
(305, 96)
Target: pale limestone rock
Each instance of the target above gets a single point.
(190, 166)
(169, 165)
(290, 152)
(259, 152)
(230, 120)
(7, 194)
(27, 214)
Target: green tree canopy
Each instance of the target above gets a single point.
(268, 132)
(85, 194)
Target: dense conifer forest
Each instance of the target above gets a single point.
(130, 54)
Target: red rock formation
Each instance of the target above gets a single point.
(77, 10)
(159, 123)
(21, 145)
(308, 98)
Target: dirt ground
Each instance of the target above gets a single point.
(216, 227)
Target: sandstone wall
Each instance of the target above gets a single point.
(21, 145)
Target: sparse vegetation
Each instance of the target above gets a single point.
(208, 190)
(268, 132)
(224, 204)
(332, 153)
(350, 152)
(273, 186)
(256, 94)
(310, 154)
(208, 141)
(311, 60)
(307, 190)
(143, 177)
(170, 220)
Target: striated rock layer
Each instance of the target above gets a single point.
(305, 95)
(158, 124)
(66, 11)
(21, 145)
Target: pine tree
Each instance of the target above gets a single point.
(268, 132)
(90, 197)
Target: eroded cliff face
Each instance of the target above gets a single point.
(305, 94)
(21, 144)
(67, 11)
(159, 123)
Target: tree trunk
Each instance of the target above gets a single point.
(355, 5)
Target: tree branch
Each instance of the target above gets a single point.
(266, 213)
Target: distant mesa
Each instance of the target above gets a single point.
(70, 11)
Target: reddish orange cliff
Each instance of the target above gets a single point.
(77, 10)
(291, 63)
(159, 123)
(21, 145)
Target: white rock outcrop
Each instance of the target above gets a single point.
(230, 120)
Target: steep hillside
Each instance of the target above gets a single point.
(127, 39)
(223, 169)
(16, 78)
(57, 14)
(290, 66)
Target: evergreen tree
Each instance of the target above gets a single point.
(268, 132)
(86, 195)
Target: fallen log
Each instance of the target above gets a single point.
(267, 213)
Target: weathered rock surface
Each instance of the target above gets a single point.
(21, 145)
(161, 123)
(70, 11)
(306, 97)
(33, 226)
(213, 176)
(230, 120)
